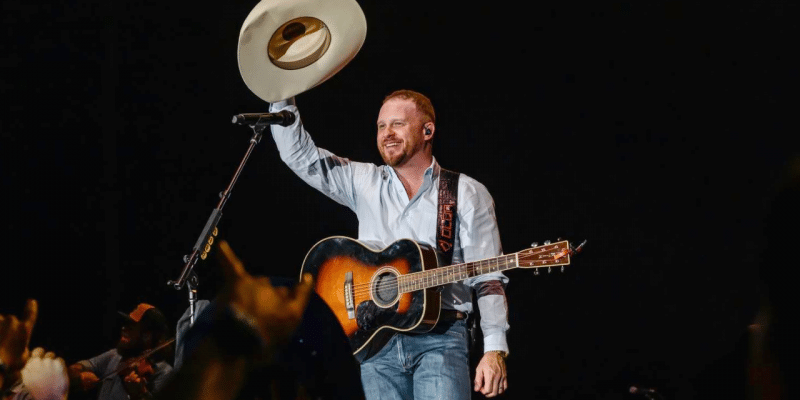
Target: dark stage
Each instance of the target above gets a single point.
(660, 132)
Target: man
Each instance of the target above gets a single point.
(143, 329)
(399, 200)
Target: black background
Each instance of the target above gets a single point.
(659, 131)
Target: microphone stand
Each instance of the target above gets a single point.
(201, 248)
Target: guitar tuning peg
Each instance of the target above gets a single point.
(548, 270)
(562, 268)
(558, 239)
(536, 272)
(577, 249)
(535, 244)
(546, 242)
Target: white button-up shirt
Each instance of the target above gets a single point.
(386, 214)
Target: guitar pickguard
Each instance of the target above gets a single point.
(370, 317)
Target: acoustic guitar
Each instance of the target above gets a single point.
(375, 294)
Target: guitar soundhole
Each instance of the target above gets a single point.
(384, 289)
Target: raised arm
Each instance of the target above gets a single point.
(323, 170)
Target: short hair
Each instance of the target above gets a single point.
(422, 102)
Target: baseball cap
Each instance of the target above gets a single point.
(148, 316)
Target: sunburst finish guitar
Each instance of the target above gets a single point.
(375, 294)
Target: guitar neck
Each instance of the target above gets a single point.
(548, 255)
(454, 273)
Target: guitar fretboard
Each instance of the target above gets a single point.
(454, 273)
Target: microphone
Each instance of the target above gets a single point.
(282, 118)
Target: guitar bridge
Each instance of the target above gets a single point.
(348, 295)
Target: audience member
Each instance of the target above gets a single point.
(121, 372)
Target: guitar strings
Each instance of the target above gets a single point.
(365, 288)
(433, 274)
(471, 268)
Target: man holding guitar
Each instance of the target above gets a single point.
(401, 200)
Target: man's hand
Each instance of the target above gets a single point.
(135, 385)
(46, 376)
(490, 375)
(81, 378)
(15, 335)
(275, 311)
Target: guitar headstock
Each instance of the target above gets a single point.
(548, 255)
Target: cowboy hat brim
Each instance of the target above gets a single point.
(287, 47)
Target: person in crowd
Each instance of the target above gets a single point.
(124, 372)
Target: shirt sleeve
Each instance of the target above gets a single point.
(480, 239)
(321, 169)
(99, 364)
(161, 377)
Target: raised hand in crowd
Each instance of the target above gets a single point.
(251, 319)
(15, 335)
(275, 312)
(45, 376)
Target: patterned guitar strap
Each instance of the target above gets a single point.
(446, 229)
(446, 218)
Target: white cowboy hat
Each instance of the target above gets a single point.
(289, 46)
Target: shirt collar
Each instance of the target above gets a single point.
(431, 173)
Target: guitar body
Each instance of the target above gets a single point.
(375, 294)
(360, 286)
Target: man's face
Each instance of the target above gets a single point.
(400, 127)
(130, 339)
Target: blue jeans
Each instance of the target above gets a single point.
(432, 365)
